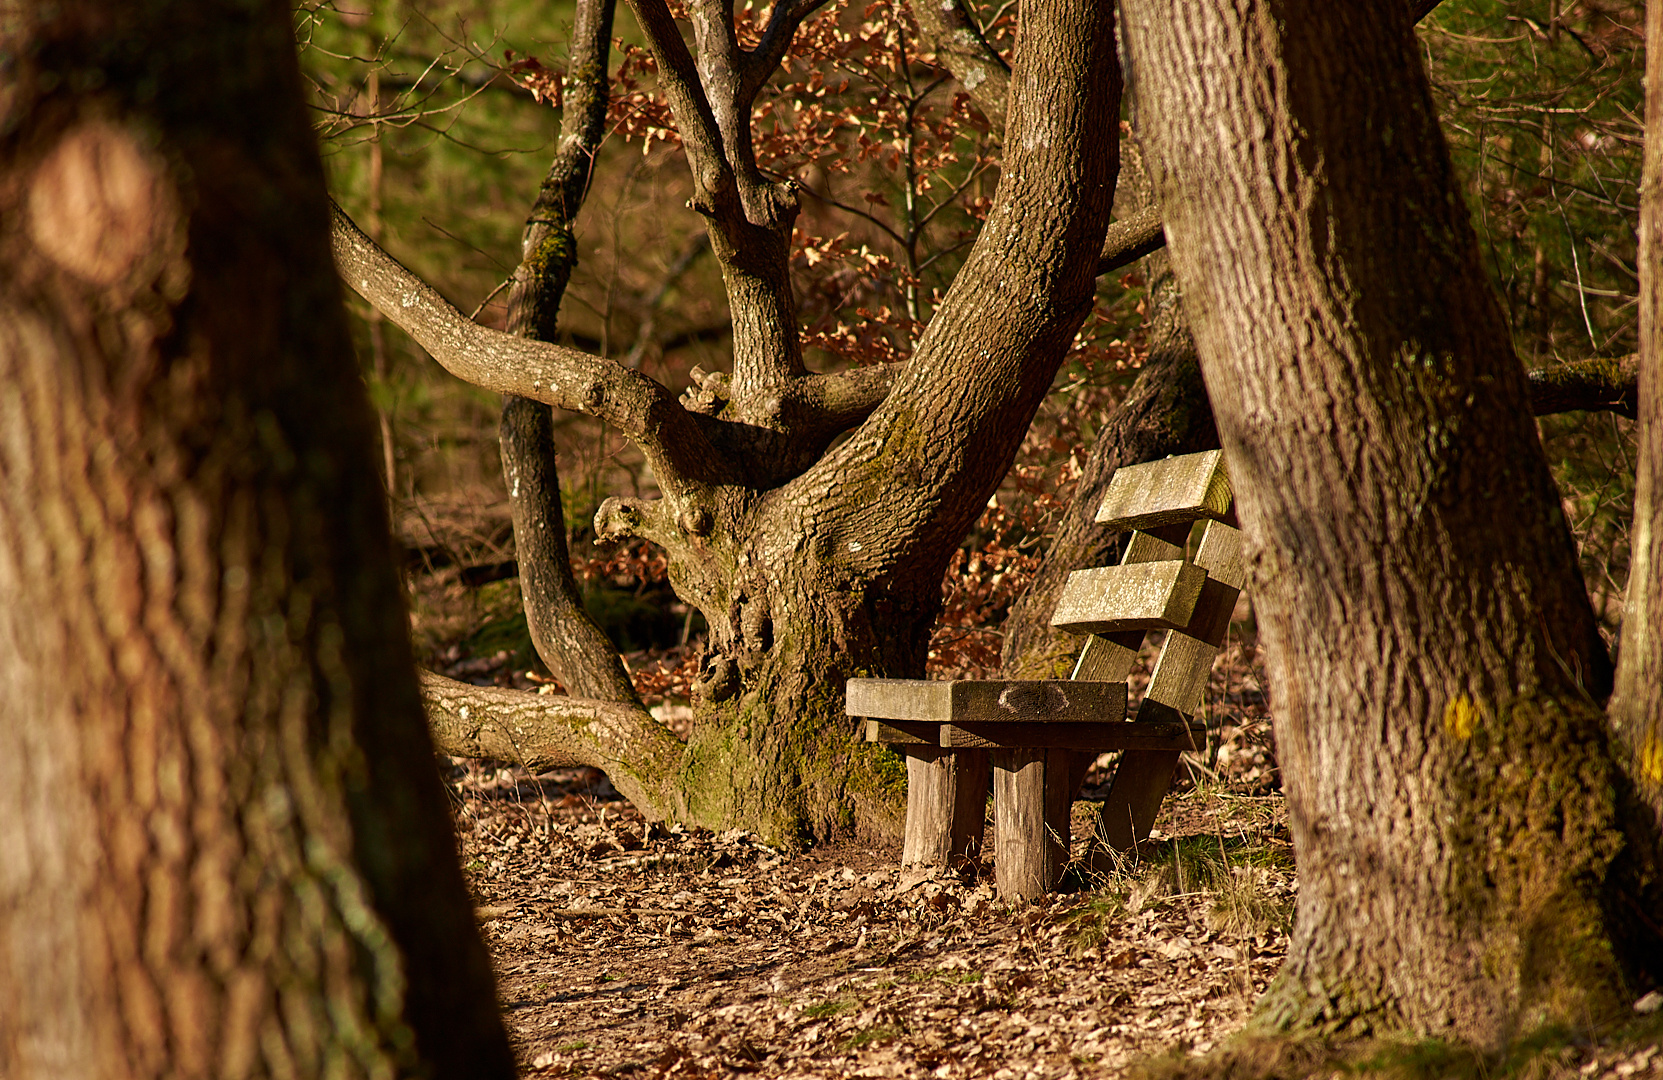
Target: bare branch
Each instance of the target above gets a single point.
(678, 77)
(641, 408)
(1131, 239)
(749, 217)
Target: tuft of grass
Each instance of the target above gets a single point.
(832, 1006)
(1090, 924)
(868, 1036)
(1238, 882)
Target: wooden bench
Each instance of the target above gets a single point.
(1034, 740)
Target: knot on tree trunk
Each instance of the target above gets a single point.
(717, 680)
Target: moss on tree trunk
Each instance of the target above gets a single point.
(1469, 867)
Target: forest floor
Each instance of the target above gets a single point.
(624, 949)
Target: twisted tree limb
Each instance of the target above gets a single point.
(541, 731)
(638, 406)
(579, 653)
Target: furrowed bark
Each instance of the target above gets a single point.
(1636, 708)
(575, 649)
(224, 848)
(1469, 866)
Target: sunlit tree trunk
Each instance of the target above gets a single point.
(1637, 703)
(1470, 865)
(224, 847)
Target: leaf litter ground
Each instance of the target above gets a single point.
(628, 948)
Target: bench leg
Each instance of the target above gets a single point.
(1140, 783)
(946, 804)
(1031, 800)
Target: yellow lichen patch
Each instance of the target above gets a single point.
(1651, 759)
(1460, 717)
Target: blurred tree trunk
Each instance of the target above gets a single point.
(1471, 862)
(224, 848)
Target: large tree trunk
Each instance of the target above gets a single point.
(1466, 866)
(1637, 701)
(811, 561)
(224, 848)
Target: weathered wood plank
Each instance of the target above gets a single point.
(1178, 735)
(946, 804)
(990, 701)
(1181, 673)
(1176, 489)
(904, 732)
(1132, 596)
(1108, 657)
(1142, 547)
(1030, 811)
(1140, 783)
(1222, 554)
(1186, 661)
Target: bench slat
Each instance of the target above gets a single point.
(1132, 596)
(1168, 491)
(1165, 492)
(988, 700)
(904, 732)
(1156, 735)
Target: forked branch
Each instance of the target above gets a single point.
(748, 216)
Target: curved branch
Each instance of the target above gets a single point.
(834, 403)
(638, 406)
(540, 731)
(570, 643)
(574, 648)
(948, 29)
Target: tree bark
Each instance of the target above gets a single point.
(1469, 866)
(224, 848)
(566, 638)
(812, 565)
(1636, 707)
